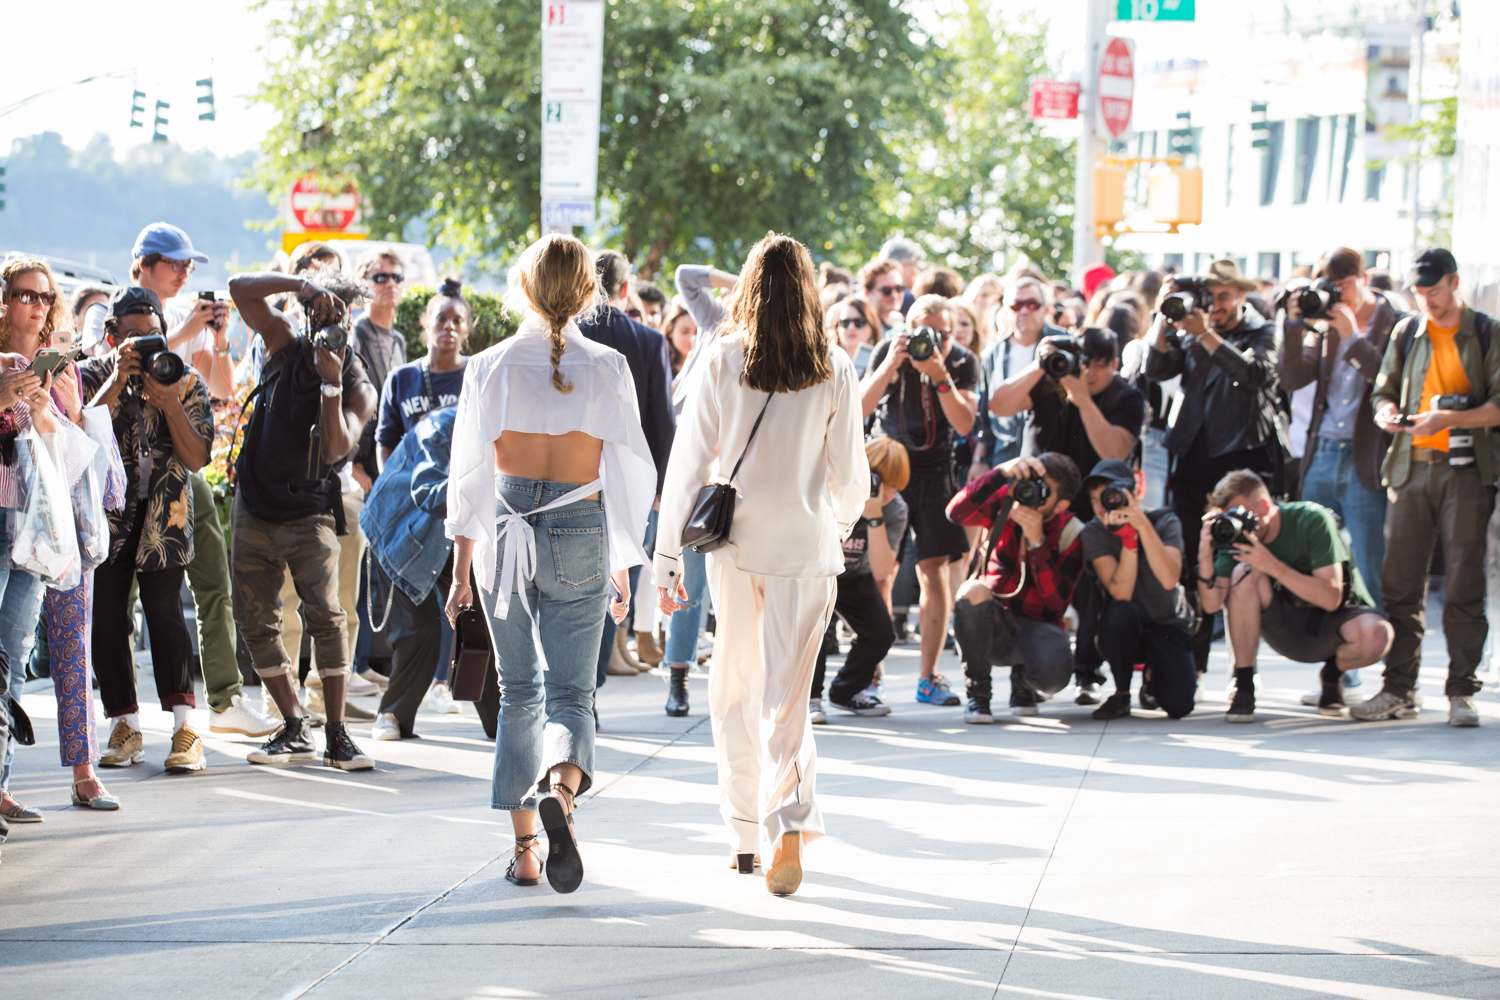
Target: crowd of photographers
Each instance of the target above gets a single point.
(1062, 481)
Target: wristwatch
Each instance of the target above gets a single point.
(875, 522)
(946, 385)
(332, 389)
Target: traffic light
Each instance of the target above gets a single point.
(157, 135)
(1261, 140)
(137, 108)
(1182, 140)
(207, 98)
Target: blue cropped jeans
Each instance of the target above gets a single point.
(547, 717)
(682, 633)
(20, 610)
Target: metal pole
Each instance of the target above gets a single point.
(1086, 247)
(1415, 87)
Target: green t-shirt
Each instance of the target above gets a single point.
(1309, 539)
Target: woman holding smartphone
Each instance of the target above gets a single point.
(547, 450)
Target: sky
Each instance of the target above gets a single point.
(162, 56)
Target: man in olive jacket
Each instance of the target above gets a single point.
(1441, 487)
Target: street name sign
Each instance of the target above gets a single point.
(572, 78)
(1155, 10)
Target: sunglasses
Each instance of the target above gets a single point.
(858, 322)
(27, 297)
(385, 276)
(1025, 305)
(890, 289)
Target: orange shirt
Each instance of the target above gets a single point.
(1445, 375)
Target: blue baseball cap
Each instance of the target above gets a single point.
(167, 240)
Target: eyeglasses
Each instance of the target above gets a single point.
(27, 297)
(178, 266)
(895, 289)
(858, 322)
(386, 276)
(1025, 305)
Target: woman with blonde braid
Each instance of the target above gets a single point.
(549, 487)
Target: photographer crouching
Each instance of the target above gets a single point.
(1284, 572)
(311, 404)
(1010, 612)
(1136, 554)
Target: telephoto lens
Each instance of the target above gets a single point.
(157, 361)
(1233, 527)
(1030, 492)
(1067, 359)
(923, 343)
(1460, 439)
(1116, 494)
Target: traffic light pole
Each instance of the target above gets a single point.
(1086, 246)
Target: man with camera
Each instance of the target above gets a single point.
(1011, 613)
(1023, 322)
(1136, 556)
(921, 388)
(1282, 572)
(311, 404)
(1438, 392)
(1226, 353)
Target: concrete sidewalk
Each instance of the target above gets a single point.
(1051, 857)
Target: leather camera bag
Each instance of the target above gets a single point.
(708, 526)
(472, 655)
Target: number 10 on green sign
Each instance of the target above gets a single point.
(1155, 10)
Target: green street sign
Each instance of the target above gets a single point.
(1155, 10)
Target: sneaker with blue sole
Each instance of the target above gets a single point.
(934, 691)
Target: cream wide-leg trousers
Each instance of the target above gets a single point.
(765, 650)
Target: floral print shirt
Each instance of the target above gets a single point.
(167, 533)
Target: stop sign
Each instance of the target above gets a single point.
(1116, 86)
(315, 208)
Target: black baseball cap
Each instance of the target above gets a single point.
(1431, 266)
(1108, 470)
(135, 299)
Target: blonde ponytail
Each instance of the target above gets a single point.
(556, 276)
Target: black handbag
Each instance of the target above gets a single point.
(471, 655)
(708, 526)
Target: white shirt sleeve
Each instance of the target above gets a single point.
(695, 450)
(848, 465)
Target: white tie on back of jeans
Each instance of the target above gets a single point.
(517, 543)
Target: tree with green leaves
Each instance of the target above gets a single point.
(720, 119)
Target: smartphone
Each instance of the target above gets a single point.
(1403, 420)
(862, 358)
(49, 360)
(209, 297)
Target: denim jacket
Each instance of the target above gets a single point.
(403, 515)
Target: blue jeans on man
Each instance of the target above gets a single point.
(1332, 481)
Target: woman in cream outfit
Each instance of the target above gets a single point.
(801, 488)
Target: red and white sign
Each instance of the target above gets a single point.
(315, 208)
(1052, 99)
(1116, 87)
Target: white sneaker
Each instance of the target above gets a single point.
(377, 678)
(815, 712)
(241, 717)
(360, 688)
(386, 727)
(442, 700)
(1461, 711)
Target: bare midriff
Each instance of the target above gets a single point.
(558, 458)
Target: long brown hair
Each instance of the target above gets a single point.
(556, 274)
(778, 308)
(14, 269)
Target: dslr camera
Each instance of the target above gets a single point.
(923, 343)
(158, 361)
(1460, 439)
(1067, 359)
(1194, 295)
(1316, 299)
(1233, 527)
(334, 336)
(875, 482)
(1117, 494)
(1030, 492)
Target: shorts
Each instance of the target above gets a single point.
(1304, 633)
(927, 496)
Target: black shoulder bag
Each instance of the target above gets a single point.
(708, 527)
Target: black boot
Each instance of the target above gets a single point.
(1242, 708)
(677, 693)
(1331, 698)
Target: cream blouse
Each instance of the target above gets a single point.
(508, 387)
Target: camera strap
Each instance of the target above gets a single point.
(132, 404)
(428, 391)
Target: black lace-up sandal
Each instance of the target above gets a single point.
(523, 845)
(564, 864)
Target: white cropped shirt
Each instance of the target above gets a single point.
(805, 479)
(508, 387)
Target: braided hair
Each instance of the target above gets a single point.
(556, 275)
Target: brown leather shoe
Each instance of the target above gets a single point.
(646, 649)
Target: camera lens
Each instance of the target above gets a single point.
(1177, 306)
(1114, 498)
(167, 368)
(333, 337)
(1030, 492)
(1314, 302)
(921, 344)
(1224, 529)
(1057, 365)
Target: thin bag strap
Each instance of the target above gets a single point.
(758, 419)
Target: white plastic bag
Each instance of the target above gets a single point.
(43, 539)
(109, 468)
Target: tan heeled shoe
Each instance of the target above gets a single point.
(786, 866)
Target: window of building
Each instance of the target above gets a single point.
(1374, 181)
(1347, 157)
(1173, 261)
(1270, 161)
(1229, 170)
(1268, 265)
(1306, 158)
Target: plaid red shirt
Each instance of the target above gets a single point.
(1044, 590)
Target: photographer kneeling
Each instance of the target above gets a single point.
(1283, 571)
(1137, 556)
(1011, 615)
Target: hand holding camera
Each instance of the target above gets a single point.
(925, 347)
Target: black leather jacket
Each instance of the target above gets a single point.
(1230, 395)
